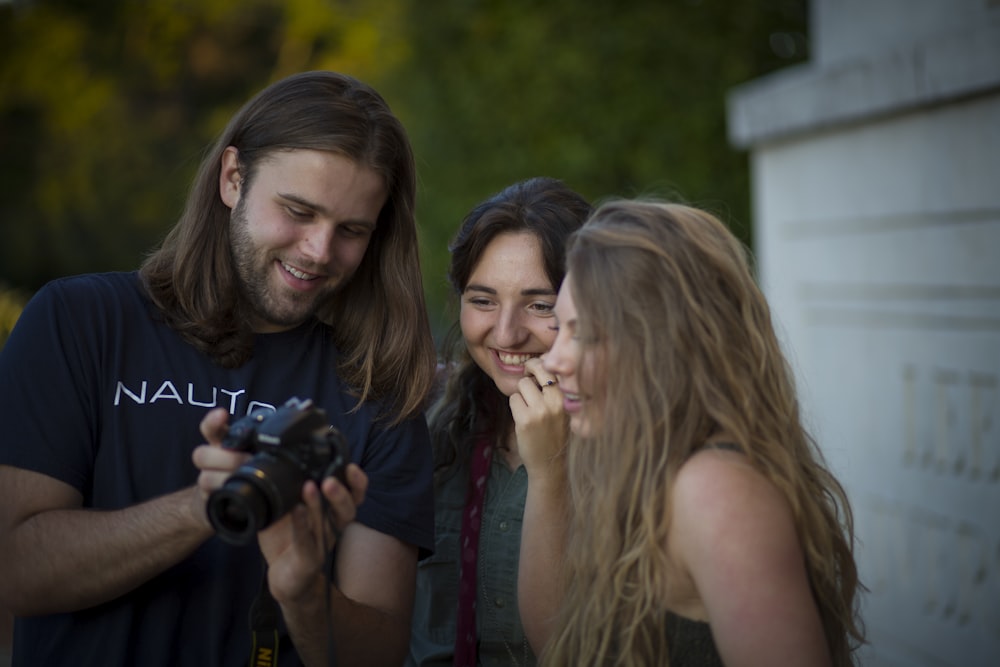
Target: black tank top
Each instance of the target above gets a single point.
(690, 642)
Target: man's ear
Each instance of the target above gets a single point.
(230, 178)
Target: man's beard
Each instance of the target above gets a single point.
(254, 269)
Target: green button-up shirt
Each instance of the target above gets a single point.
(498, 623)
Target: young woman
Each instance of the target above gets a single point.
(703, 527)
(506, 267)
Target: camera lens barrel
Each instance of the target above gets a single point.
(256, 495)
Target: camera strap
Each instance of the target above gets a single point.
(264, 614)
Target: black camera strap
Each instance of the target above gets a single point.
(264, 614)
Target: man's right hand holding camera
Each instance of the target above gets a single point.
(295, 546)
(215, 462)
(303, 528)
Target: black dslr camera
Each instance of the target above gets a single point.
(290, 445)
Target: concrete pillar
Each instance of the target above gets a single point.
(876, 188)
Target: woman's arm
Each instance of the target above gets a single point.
(734, 533)
(540, 425)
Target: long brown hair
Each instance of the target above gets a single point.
(379, 319)
(471, 404)
(667, 293)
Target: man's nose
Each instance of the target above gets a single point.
(318, 243)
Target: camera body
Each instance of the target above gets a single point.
(290, 446)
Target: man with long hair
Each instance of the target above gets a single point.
(292, 272)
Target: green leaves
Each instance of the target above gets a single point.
(106, 108)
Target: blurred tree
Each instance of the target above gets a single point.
(11, 303)
(106, 108)
(624, 98)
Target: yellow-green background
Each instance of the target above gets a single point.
(106, 107)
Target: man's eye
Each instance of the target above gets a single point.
(351, 232)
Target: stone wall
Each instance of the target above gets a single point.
(876, 186)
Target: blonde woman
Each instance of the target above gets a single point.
(691, 520)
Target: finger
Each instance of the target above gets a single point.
(517, 402)
(533, 368)
(215, 465)
(303, 537)
(294, 566)
(311, 534)
(212, 457)
(341, 502)
(214, 425)
(553, 395)
(547, 394)
(311, 497)
(210, 480)
(357, 480)
(357, 484)
(528, 388)
(313, 508)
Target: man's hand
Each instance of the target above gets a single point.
(215, 462)
(296, 546)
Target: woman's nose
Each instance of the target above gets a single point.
(509, 331)
(555, 360)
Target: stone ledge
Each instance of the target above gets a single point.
(807, 98)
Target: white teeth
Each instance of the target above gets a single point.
(301, 275)
(515, 359)
(571, 397)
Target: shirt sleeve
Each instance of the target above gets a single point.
(47, 392)
(400, 498)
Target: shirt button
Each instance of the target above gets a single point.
(504, 526)
(500, 602)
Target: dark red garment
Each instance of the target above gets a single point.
(466, 648)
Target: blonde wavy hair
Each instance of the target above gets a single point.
(668, 294)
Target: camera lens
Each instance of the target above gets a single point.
(255, 495)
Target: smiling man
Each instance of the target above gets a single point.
(293, 272)
(301, 232)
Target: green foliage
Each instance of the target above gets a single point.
(11, 304)
(617, 99)
(106, 108)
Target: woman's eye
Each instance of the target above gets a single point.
(542, 308)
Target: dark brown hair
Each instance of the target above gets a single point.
(471, 404)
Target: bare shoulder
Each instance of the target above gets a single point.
(715, 477)
(734, 535)
(722, 504)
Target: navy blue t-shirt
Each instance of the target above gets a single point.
(97, 392)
